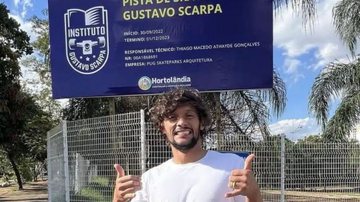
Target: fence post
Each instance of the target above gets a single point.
(282, 197)
(218, 120)
(49, 173)
(66, 162)
(142, 141)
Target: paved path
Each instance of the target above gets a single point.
(32, 192)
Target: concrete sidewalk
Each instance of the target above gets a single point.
(32, 192)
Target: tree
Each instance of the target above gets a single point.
(13, 102)
(25, 130)
(20, 109)
(82, 108)
(34, 138)
(248, 110)
(347, 22)
(337, 79)
(307, 8)
(39, 63)
(35, 133)
(13, 43)
(340, 79)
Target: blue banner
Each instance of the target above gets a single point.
(127, 47)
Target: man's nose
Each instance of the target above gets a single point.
(182, 122)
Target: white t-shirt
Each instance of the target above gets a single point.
(203, 181)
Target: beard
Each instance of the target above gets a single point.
(186, 146)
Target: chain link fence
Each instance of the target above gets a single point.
(81, 155)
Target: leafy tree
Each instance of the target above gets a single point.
(13, 102)
(5, 167)
(26, 128)
(82, 108)
(23, 124)
(347, 22)
(20, 109)
(35, 134)
(249, 110)
(48, 114)
(337, 79)
(307, 8)
(38, 63)
(340, 79)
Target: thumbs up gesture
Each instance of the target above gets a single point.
(242, 182)
(125, 186)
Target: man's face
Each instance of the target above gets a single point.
(182, 128)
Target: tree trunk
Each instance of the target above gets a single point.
(17, 173)
(35, 173)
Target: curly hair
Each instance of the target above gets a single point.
(167, 103)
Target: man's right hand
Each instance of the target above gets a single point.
(126, 185)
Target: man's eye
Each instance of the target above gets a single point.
(190, 115)
(171, 117)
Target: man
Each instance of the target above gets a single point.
(192, 174)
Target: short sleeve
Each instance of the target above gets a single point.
(142, 194)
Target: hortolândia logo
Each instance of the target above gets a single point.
(86, 39)
(144, 83)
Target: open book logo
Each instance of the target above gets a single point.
(86, 39)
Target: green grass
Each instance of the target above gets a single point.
(97, 191)
(92, 194)
(104, 181)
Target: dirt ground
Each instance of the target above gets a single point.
(32, 192)
(296, 196)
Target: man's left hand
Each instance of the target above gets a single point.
(242, 182)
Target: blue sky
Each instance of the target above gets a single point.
(299, 55)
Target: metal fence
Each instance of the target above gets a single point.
(56, 164)
(81, 155)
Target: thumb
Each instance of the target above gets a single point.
(119, 170)
(248, 161)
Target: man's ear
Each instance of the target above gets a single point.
(202, 126)
(162, 129)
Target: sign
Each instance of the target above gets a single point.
(128, 47)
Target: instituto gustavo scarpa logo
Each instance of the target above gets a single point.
(86, 39)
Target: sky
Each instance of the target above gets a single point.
(300, 53)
